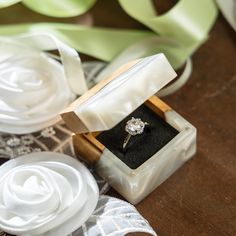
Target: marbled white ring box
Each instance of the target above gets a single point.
(99, 117)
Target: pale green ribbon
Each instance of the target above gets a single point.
(188, 22)
(55, 8)
(177, 33)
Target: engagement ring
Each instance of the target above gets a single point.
(133, 127)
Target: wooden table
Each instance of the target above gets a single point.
(200, 198)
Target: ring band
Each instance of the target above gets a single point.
(133, 127)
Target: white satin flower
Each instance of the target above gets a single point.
(46, 194)
(35, 88)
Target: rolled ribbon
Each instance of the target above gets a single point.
(34, 88)
(45, 194)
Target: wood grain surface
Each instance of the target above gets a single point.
(200, 198)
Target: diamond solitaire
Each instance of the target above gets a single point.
(133, 127)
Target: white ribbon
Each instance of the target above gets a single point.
(228, 9)
(45, 194)
(34, 88)
(179, 82)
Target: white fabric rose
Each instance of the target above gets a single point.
(35, 88)
(45, 194)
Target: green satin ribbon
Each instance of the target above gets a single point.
(60, 8)
(102, 43)
(54, 8)
(7, 3)
(180, 31)
(188, 22)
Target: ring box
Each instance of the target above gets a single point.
(98, 119)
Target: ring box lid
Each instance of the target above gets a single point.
(114, 98)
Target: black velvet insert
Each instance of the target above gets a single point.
(140, 147)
